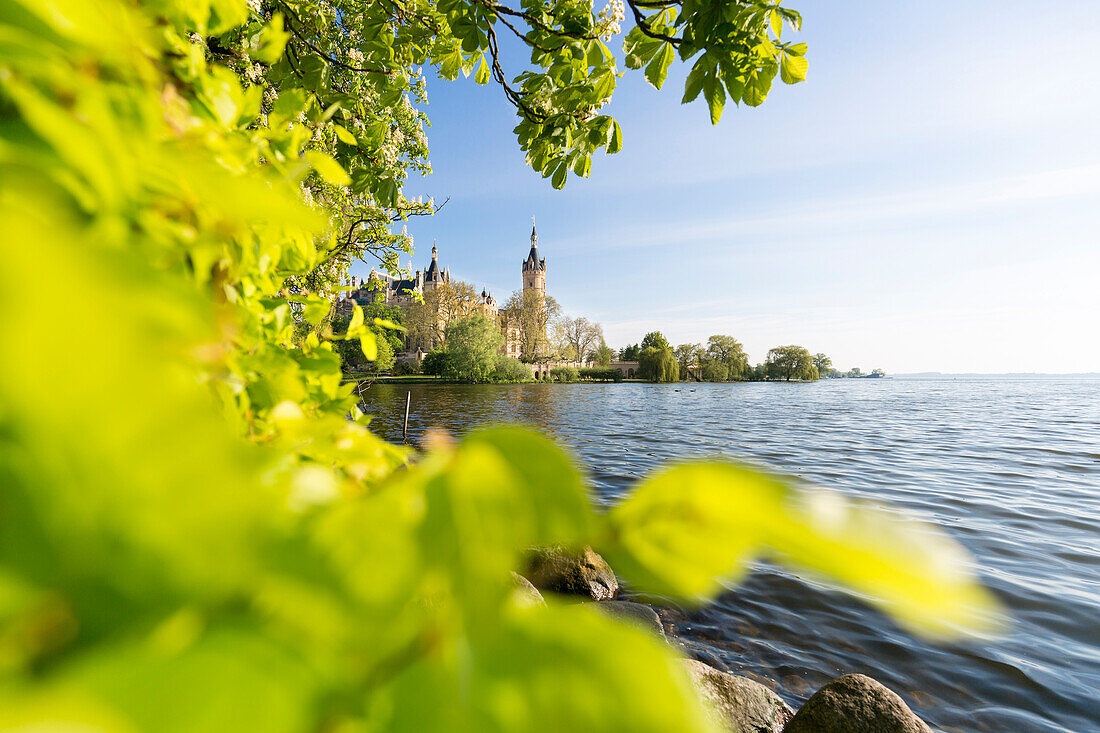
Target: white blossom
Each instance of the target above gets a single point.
(610, 19)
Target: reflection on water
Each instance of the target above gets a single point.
(1010, 468)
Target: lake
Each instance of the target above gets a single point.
(1009, 468)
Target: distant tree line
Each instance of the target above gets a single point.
(723, 359)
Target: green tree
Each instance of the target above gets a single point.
(728, 350)
(531, 313)
(426, 320)
(791, 362)
(578, 336)
(383, 322)
(688, 356)
(603, 354)
(658, 365)
(630, 353)
(823, 364)
(655, 340)
(435, 362)
(473, 345)
(715, 371)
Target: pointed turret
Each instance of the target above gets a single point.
(534, 262)
(434, 274)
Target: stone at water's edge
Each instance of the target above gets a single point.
(526, 593)
(855, 703)
(572, 572)
(635, 613)
(738, 703)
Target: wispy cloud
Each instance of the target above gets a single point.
(838, 213)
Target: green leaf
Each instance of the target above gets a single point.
(482, 76)
(605, 85)
(356, 323)
(793, 69)
(615, 138)
(314, 71)
(716, 98)
(326, 167)
(757, 86)
(797, 49)
(777, 23)
(368, 342)
(695, 79)
(271, 42)
(690, 530)
(344, 136)
(560, 173)
(550, 482)
(657, 70)
(582, 166)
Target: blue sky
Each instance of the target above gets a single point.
(929, 199)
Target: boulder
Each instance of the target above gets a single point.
(572, 572)
(738, 703)
(526, 594)
(635, 613)
(855, 703)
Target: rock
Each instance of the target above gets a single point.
(738, 703)
(635, 613)
(527, 594)
(855, 703)
(573, 572)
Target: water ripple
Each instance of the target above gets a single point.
(1010, 468)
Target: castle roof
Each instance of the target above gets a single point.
(533, 261)
(434, 273)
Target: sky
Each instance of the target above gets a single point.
(928, 200)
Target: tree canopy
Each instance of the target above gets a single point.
(531, 313)
(658, 365)
(426, 320)
(577, 337)
(655, 340)
(472, 345)
(791, 362)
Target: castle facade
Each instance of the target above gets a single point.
(403, 292)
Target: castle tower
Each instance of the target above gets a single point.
(433, 276)
(534, 268)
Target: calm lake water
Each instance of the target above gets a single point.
(1010, 468)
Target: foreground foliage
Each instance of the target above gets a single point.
(197, 530)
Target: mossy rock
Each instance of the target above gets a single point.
(572, 572)
(855, 703)
(738, 704)
(638, 614)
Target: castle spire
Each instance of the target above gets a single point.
(435, 251)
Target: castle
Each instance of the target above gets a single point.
(403, 292)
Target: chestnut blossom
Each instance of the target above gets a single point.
(610, 19)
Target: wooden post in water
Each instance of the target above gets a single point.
(405, 429)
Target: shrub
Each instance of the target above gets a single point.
(473, 345)
(564, 374)
(508, 369)
(601, 375)
(435, 362)
(407, 367)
